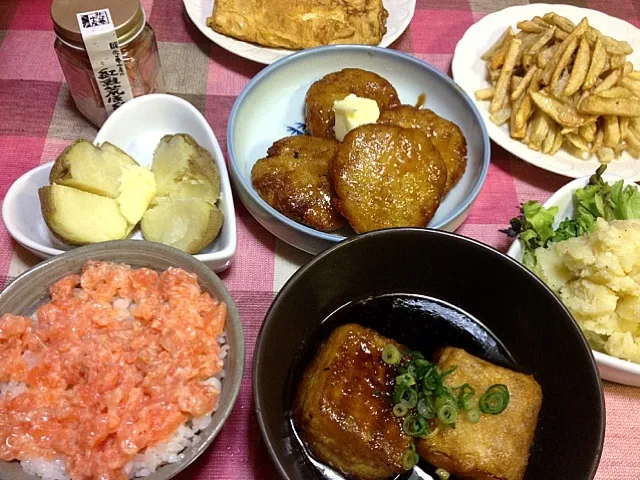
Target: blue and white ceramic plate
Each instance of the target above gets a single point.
(272, 107)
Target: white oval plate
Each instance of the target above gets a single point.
(469, 71)
(400, 15)
(611, 368)
(136, 128)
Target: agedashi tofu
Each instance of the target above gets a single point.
(497, 447)
(344, 410)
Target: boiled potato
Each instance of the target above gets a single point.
(96, 170)
(106, 171)
(96, 193)
(184, 169)
(184, 212)
(78, 218)
(186, 223)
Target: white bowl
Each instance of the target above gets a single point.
(611, 368)
(136, 128)
(272, 107)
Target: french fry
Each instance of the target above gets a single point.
(557, 143)
(617, 61)
(635, 74)
(588, 132)
(524, 83)
(523, 114)
(597, 65)
(498, 57)
(515, 80)
(610, 81)
(633, 140)
(596, 105)
(634, 124)
(605, 154)
(539, 129)
(612, 46)
(632, 85)
(560, 34)
(545, 55)
(624, 127)
(527, 42)
(563, 23)
(489, 53)
(494, 75)
(580, 67)
(597, 142)
(573, 150)
(570, 42)
(527, 134)
(512, 119)
(565, 115)
(485, 93)
(503, 81)
(557, 89)
(616, 92)
(501, 116)
(542, 22)
(547, 143)
(530, 26)
(611, 131)
(566, 130)
(544, 38)
(628, 69)
(578, 142)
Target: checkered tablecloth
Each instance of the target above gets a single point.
(38, 119)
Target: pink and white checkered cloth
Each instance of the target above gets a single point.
(38, 119)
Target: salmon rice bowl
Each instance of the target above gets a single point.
(114, 376)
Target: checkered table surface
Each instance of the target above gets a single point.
(38, 119)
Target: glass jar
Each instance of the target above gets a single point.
(137, 44)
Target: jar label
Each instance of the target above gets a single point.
(101, 44)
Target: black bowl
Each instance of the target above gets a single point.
(429, 288)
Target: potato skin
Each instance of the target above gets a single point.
(497, 447)
(386, 176)
(446, 136)
(319, 115)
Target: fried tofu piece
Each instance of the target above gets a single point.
(497, 447)
(319, 115)
(343, 408)
(293, 179)
(386, 176)
(446, 136)
(298, 24)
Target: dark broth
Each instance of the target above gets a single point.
(421, 323)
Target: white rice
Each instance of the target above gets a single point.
(150, 459)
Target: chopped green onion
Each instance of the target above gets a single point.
(473, 415)
(431, 434)
(391, 355)
(405, 380)
(409, 459)
(415, 426)
(494, 400)
(448, 414)
(442, 474)
(400, 410)
(465, 396)
(418, 367)
(409, 398)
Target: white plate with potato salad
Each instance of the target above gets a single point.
(556, 90)
(590, 263)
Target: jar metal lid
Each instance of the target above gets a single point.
(127, 16)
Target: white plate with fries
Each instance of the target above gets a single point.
(558, 92)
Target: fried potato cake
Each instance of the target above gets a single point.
(497, 447)
(343, 408)
(387, 176)
(320, 118)
(445, 135)
(298, 24)
(293, 180)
